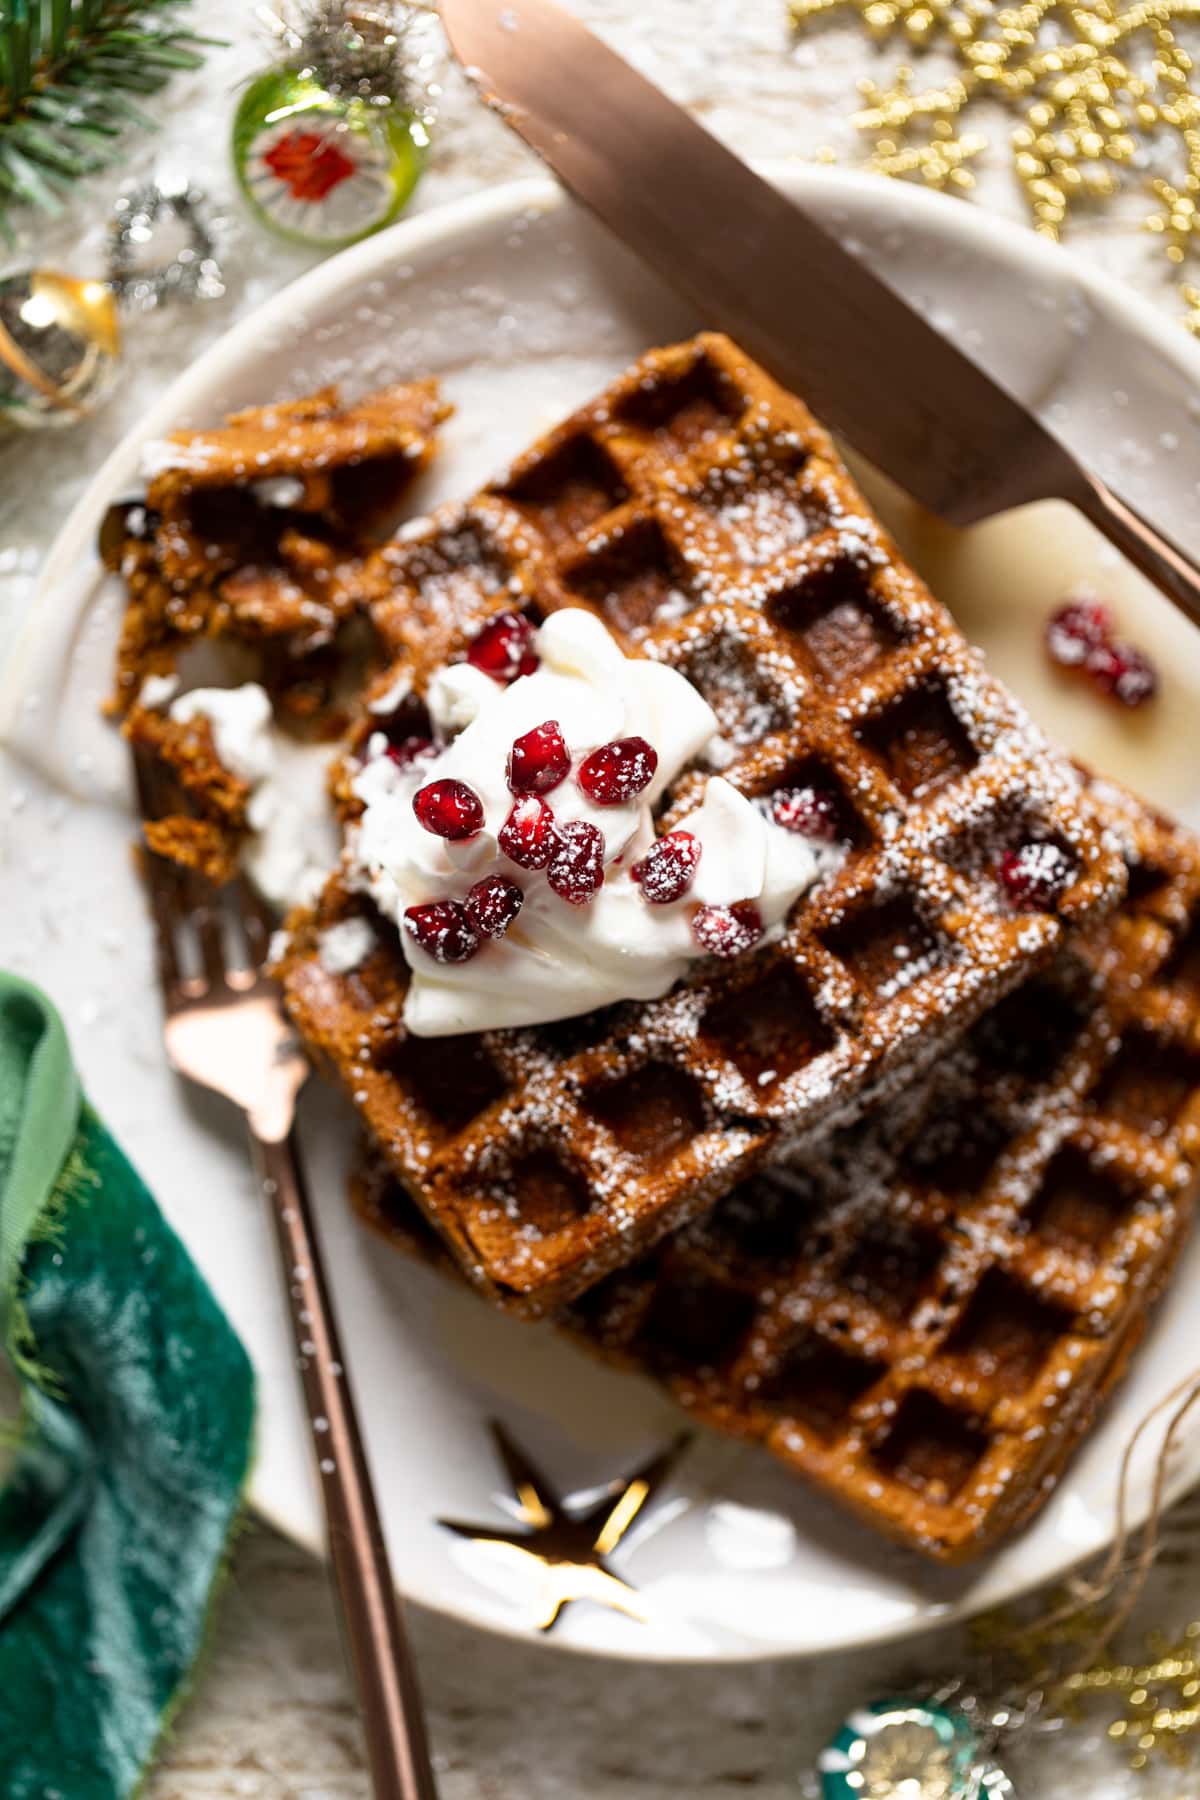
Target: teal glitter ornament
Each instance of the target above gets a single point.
(903, 1749)
(329, 146)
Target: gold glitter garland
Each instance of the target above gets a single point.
(1103, 93)
(1158, 1701)
(1153, 1703)
(1060, 1661)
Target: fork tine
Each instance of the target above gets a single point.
(204, 915)
(248, 944)
(162, 884)
(256, 919)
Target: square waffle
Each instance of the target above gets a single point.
(703, 515)
(923, 1320)
(259, 529)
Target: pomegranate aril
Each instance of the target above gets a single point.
(409, 750)
(1035, 875)
(1076, 629)
(528, 835)
(1124, 672)
(504, 649)
(443, 930)
(539, 760)
(576, 869)
(449, 809)
(616, 772)
(492, 905)
(667, 870)
(811, 811)
(727, 930)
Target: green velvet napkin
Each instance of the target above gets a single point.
(133, 1443)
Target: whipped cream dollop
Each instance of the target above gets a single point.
(292, 844)
(559, 959)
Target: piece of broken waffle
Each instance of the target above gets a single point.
(923, 1319)
(703, 515)
(259, 530)
(208, 828)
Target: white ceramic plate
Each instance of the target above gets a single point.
(523, 308)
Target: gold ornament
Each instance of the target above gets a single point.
(1102, 94)
(59, 347)
(563, 1551)
(60, 341)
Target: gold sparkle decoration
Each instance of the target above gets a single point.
(1156, 1702)
(1069, 1659)
(1151, 1702)
(1104, 97)
(560, 1550)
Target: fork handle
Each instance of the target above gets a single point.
(392, 1712)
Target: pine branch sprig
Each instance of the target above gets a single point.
(69, 74)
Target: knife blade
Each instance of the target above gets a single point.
(758, 266)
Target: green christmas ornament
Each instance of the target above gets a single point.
(329, 146)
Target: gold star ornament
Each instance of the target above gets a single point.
(560, 1550)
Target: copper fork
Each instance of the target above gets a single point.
(226, 1030)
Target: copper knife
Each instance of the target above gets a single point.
(758, 266)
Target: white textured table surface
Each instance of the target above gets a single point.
(271, 1716)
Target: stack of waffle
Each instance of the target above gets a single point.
(913, 1287)
(702, 513)
(922, 1313)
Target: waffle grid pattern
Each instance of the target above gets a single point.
(259, 530)
(702, 514)
(923, 1320)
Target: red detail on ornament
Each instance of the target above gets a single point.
(727, 930)
(616, 772)
(504, 649)
(528, 836)
(492, 905)
(1035, 875)
(443, 930)
(576, 870)
(449, 809)
(668, 868)
(309, 165)
(538, 761)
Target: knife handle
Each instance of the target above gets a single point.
(1170, 569)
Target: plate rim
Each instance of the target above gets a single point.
(995, 238)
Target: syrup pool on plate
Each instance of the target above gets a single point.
(1002, 580)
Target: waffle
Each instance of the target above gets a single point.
(207, 824)
(259, 531)
(703, 515)
(923, 1320)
